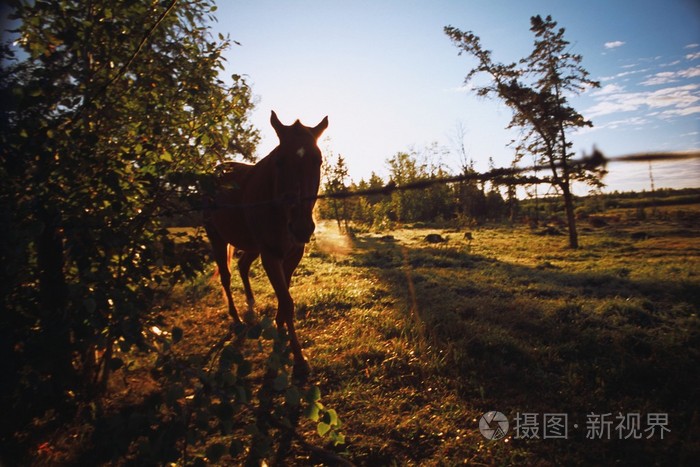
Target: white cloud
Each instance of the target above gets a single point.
(623, 74)
(681, 112)
(691, 46)
(614, 44)
(690, 72)
(465, 88)
(612, 106)
(677, 96)
(636, 122)
(666, 77)
(608, 89)
(693, 56)
(677, 100)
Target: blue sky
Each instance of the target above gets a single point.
(390, 80)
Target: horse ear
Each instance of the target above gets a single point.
(318, 130)
(277, 125)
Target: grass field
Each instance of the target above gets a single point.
(412, 342)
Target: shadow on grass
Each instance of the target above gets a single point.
(130, 435)
(542, 340)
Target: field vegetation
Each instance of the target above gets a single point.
(411, 342)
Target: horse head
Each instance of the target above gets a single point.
(298, 163)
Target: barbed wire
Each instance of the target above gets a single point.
(502, 176)
(512, 175)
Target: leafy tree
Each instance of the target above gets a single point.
(439, 199)
(403, 169)
(418, 205)
(369, 210)
(336, 177)
(536, 89)
(109, 113)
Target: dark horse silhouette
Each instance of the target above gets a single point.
(266, 210)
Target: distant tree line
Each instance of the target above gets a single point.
(468, 202)
(461, 204)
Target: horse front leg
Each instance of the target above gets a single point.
(274, 267)
(291, 262)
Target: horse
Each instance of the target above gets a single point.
(265, 210)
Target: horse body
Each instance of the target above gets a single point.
(229, 199)
(266, 210)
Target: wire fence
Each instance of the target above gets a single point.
(514, 175)
(501, 176)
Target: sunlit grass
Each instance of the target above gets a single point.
(412, 341)
(510, 321)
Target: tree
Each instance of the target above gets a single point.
(110, 112)
(376, 205)
(336, 177)
(536, 89)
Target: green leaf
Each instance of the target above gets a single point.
(337, 438)
(323, 428)
(333, 417)
(312, 395)
(311, 412)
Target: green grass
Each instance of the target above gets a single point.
(519, 323)
(412, 342)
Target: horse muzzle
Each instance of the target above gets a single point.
(302, 232)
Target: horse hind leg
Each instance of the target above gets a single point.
(245, 259)
(220, 252)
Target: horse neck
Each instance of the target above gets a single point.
(262, 181)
